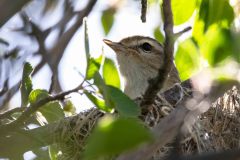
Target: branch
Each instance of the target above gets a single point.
(164, 132)
(33, 108)
(178, 34)
(8, 9)
(157, 83)
(57, 51)
(24, 140)
(5, 88)
(144, 10)
(11, 92)
(47, 133)
(7, 114)
(181, 117)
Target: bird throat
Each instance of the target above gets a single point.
(136, 79)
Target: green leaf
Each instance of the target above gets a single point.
(113, 136)
(108, 19)
(218, 45)
(215, 11)
(41, 154)
(26, 84)
(86, 40)
(198, 30)
(110, 73)
(99, 82)
(100, 103)
(123, 104)
(52, 111)
(115, 98)
(69, 107)
(182, 10)
(236, 48)
(37, 95)
(53, 152)
(93, 66)
(187, 59)
(158, 35)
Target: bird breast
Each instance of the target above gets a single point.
(136, 76)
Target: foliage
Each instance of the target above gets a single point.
(108, 19)
(187, 58)
(182, 10)
(110, 73)
(115, 135)
(214, 40)
(26, 85)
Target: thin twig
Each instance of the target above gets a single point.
(11, 92)
(157, 83)
(166, 130)
(59, 48)
(178, 34)
(41, 37)
(50, 90)
(33, 108)
(7, 114)
(5, 87)
(169, 126)
(144, 10)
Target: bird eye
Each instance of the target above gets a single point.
(146, 47)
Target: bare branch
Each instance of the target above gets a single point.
(8, 9)
(164, 132)
(144, 10)
(157, 83)
(11, 92)
(170, 126)
(178, 34)
(57, 50)
(50, 90)
(7, 114)
(33, 108)
(5, 88)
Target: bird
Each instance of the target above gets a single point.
(139, 58)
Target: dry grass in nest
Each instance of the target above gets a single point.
(220, 125)
(217, 129)
(72, 133)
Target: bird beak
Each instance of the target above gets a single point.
(114, 45)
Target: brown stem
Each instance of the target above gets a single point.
(157, 83)
(33, 108)
(144, 10)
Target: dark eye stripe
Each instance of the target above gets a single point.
(146, 47)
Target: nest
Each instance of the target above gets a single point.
(215, 130)
(219, 127)
(71, 134)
